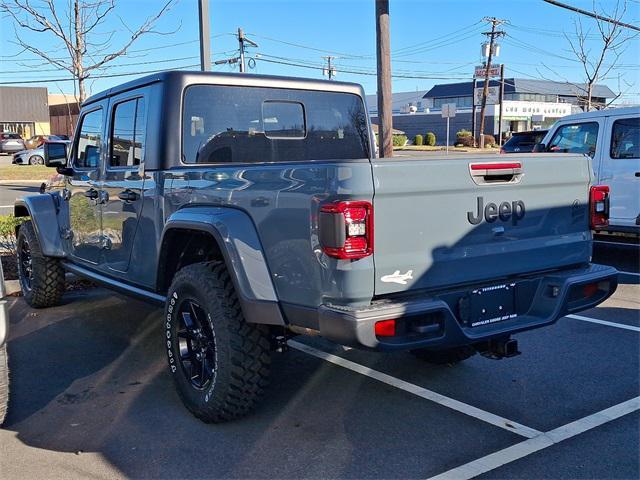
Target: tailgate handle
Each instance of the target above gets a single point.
(495, 172)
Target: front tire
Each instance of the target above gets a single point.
(449, 356)
(41, 278)
(219, 362)
(36, 160)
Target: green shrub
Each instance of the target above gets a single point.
(463, 133)
(431, 139)
(419, 141)
(399, 140)
(8, 225)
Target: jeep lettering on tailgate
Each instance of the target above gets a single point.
(505, 211)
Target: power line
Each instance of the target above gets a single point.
(141, 50)
(593, 15)
(111, 75)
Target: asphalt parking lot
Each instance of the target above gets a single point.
(91, 397)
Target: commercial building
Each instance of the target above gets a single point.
(527, 104)
(33, 111)
(24, 110)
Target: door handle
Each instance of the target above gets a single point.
(92, 194)
(637, 174)
(128, 196)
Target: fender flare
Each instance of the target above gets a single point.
(43, 210)
(238, 240)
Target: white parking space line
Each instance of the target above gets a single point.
(629, 273)
(6, 206)
(527, 447)
(617, 244)
(604, 322)
(474, 412)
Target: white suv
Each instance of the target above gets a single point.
(611, 138)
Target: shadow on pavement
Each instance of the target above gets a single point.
(90, 376)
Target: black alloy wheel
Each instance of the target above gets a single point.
(196, 344)
(25, 264)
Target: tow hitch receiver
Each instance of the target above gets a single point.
(498, 349)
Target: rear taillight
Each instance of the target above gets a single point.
(599, 206)
(346, 229)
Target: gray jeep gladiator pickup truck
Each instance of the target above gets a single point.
(253, 209)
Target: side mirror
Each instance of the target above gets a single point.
(539, 147)
(55, 154)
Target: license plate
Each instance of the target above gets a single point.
(493, 304)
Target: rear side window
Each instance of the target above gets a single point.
(575, 138)
(89, 140)
(127, 133)
(525, 139)
(625, 138)
(11, 136)
(224, 124)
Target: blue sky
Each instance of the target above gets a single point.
(435, 41)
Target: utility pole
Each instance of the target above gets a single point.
(241, 46)
(330, 71)
(205, 36)
(485, 88)
(501, 103)
(473, 111)
(383, 53)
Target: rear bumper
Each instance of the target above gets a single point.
(11, 148)
(437, 322)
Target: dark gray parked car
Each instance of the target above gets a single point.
(268, 216)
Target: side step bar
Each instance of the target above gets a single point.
(120, 287)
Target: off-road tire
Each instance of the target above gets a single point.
(242, 350)
(47, 283)
(4, 382)
(449, 356)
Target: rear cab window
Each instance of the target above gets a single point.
(575, 138)
(227, 124)
(625, 138)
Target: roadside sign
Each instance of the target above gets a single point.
(493, 95)
(448, 110)
(481, 71)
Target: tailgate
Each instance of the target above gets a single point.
(441, 222)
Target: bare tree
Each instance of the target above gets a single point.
(76, 29)
(601, 51)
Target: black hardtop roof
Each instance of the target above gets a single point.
(213, 78)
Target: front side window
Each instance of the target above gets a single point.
(127, 133)
(222, 124)
(625, 138)
(575, 138)
(89, 140)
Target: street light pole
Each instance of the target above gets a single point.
(205, 35)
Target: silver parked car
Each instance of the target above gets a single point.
(11, 142)
(29, 157)
(34, 156)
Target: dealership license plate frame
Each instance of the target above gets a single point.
(492, 304)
